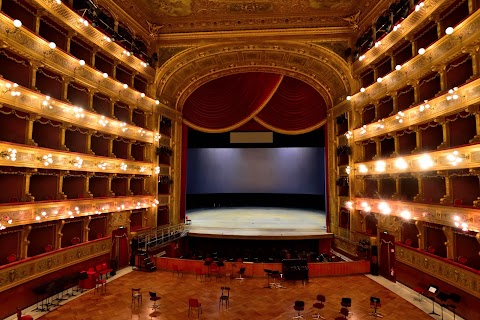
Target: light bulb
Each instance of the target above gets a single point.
(52, 45)
(379, 79)
(17, 23)
(125, 86)
(349, 98)
(105, 75)
(421, 51)
(449, 30)
(362, 89)
(398, 67)
(81, 62)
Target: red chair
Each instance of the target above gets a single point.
(75, 240)
(344, 312)
(199, 272)
(99, 235)
(12, 258)
(20, 317)
(105, 269)
(431, 249)
(457, 202)
(193, 303)
(100, 284)
(319, 306)
(48, 248)
(11, 200)
(408, 242)
(177, 269)
(462, 260)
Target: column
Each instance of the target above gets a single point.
(393, 59)
(447, 199)
(419, 197)
(442, 71)
(475, 56)
(59, 234)
(378, 149)
(421, 234)
(94, 52)
(38, 17)
(477, 122)
(29, 129)
(473, 5)
(60, 195)
(112, 107)
(62, 136)
(114, 69)
(27, 197)
(109, 186)
(397, 195)
(34, 65)
(446, 134)
(129, 192)
(91, 94)
(25, 242)
(450, 243)
(132, 79)
(70, 35)
(86, 192)
(396, 144)
(65, 82)
(418, 139)
(395, 102)
(110, 146)
(440, 25)
(416, 91)
(89, 141)
(86, 229)
(129, 150)
(375, 74)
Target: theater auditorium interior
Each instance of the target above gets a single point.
(240, 159)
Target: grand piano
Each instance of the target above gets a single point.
(295, 269)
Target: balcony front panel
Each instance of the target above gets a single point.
(25, 213)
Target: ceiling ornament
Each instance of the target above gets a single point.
(354, 20)
(317, 66)
(153, 29)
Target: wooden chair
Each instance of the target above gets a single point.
(136, 296)
(194, 303)
(100, 284)
(224, 297)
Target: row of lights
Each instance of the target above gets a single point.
(17, 24)
(77, 162)
(421, 51)
(425, 162)
(78, 112)
(397, 27)
(384, 208)
(400, 116)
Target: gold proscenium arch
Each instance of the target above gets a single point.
(315, 65)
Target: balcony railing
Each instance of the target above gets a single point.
(161, 236)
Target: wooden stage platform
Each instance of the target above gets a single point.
(258, 223)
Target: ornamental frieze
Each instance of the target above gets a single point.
(457, 276)
(31, 269)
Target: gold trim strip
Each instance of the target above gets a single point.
(37, 267)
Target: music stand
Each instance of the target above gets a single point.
(432, 290)
(269, 273)
(443, 297)
(375, 303)
(455, 299)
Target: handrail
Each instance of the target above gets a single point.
(160, 236)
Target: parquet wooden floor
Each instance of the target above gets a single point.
(249, 299)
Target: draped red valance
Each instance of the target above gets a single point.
(230, 101)
(281, 104)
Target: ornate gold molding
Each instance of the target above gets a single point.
(408, 27)
(69, 18)
(33, 212)
(39, 266)
(36, 103)
(468, 94)
(319, 67)
(447, 48)
(469, 157)
(33, 157)
(346, 246)
(457, 276)
(443, 215)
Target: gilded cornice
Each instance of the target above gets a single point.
(332, 34)
(319, 67)
(439, 214)
(457, 276)
(469, 158)
(19, 273)
(30, 45)
(443, 105)
(408, 26)
(69, 18)
(32, 157)
(24, 213)
(190, 16)
(33, 102)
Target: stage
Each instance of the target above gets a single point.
(257, 223)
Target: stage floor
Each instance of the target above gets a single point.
(257, 223)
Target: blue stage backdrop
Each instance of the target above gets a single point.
(288, 170)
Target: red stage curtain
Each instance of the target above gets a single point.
(227, 102)
(295, 106)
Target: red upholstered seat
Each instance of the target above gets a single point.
(194, 303)
(25, 317)
(431, 249)
(462, 260)
(48, 248)
(11, 258)
(408, 242)
(75, 240)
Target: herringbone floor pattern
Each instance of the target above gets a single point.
(249, 299)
